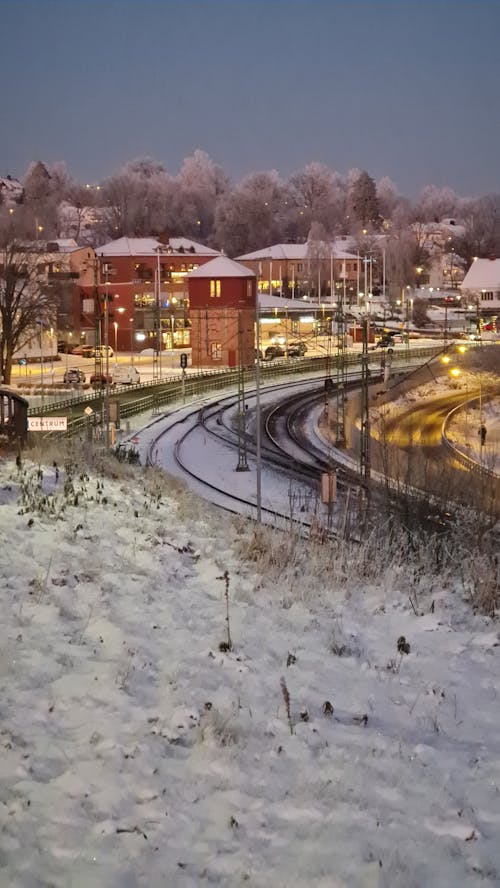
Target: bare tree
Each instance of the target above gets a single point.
(24, 302)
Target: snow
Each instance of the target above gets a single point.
(135, 752)
(290, 252)
(482, 274)
(221, 267)
(148, 246)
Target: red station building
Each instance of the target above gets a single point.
(223, 308)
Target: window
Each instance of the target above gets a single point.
(299, 266)
(216, 351)
(249, 289)
(214, 288)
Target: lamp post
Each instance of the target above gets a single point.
(131, 340)
(115, 325)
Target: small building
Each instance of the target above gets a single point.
(223, 306)
(481, 286)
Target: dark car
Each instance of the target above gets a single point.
(297, 349)
(73, 376)
(64, 347)
(99, 379)
(274, 351)
(85, 351)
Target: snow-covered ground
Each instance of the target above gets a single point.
(140, 749)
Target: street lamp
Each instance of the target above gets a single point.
(131, 340)
(115, 325)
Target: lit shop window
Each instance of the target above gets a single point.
(216, 351)
(214, 289)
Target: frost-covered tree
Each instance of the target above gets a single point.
(201, 183)
(481, 220)
(435, 203)
(317, 196)
(138, 198)
(362, 201)
(245, 218)
(387, 196)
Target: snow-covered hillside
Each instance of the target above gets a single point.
(143, 746)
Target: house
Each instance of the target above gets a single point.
(11, 191)
(60, 268)
(481, 286)
(222, 310)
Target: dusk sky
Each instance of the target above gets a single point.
(404, 88)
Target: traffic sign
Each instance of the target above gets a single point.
(47, 423)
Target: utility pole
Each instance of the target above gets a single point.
(241, 419)
(258, 439)
(365, 463)
(341, 373)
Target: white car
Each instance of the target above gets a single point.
(126, 375)
(102, 349)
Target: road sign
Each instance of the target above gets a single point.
(47, 423)
(88, 411)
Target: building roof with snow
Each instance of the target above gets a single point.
(11, 190)
(296, 252)
(484, 274)
(267, 302)
(221, 267)
(148, 246)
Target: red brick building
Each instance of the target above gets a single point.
(223, 306)
(146, 282)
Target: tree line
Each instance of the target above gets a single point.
(201, 202)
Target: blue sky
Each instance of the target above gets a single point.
(404, 88)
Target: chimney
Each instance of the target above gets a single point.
(164, 238)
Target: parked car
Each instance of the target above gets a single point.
(86, 351)
(65, 347)
(389, 340)
(126, 375)
(274, 351)
(297, 349)
(73, 376)
(102, 349)
(100, 379)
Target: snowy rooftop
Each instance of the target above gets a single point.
(484, 274)
(288, 252)
(148, 246)
(267, 301)
(221, 267)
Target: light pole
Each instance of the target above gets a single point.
(131, 340)
(115, 325)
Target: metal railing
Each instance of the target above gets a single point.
(155, 394)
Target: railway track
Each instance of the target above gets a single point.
(217, 422)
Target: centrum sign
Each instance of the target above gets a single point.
(47, 423)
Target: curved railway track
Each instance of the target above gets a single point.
(217, 421)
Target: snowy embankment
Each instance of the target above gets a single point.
(143, 746)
